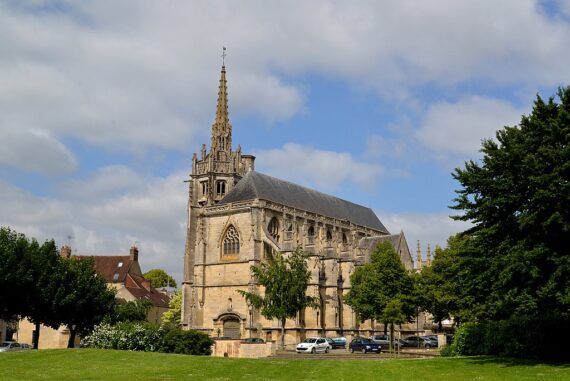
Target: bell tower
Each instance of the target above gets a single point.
(214, 174)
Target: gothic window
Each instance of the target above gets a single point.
(344, 239)
(273, 228)
(204, 185)
(220, 188)
(311, 231)
(329, 235)
(231, 242)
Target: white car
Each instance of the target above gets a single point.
(313, 345)
(10, 346)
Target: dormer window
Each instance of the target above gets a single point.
(120, 264)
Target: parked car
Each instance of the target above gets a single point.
(339, 342)
(25, 346)
(419, 342)
(313, 345)
(254, 340)
(10, 346)
(364, 345)
(384, 341)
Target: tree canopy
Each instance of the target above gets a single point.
(373, 285)
(173, 315)
(285, 279)
(159, 278)
(518, 198)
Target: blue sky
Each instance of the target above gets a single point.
(102, 104)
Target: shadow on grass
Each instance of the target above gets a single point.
(513, 362)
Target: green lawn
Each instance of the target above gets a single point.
(91, 364)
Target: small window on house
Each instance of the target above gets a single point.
(311, 231)
(230, 244)
(116, 277)
(120, 264)
(273, 228)
(220, 188)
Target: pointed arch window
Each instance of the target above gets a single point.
(230, 245)
(273, 228)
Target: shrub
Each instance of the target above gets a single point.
(186, 342)
(148, 338)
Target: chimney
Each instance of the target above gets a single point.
(65, 252)
(146, 284)
(134, 254)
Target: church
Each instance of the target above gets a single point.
(238, 217)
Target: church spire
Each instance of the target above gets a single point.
(222, 129)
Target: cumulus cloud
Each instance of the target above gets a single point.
(109, 219)
(36, 151)
(456, 129)
(310, 166)
(432, 228)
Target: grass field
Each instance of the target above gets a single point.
(91, 364)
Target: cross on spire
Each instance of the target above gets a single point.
(224, 54)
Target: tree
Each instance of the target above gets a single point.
(131, 311)
(374, 285)
(83, 299)
(392, 314)
(285, 279)
(518, 199)
(174, 313)
(159, 278)
(16, 275)
(438, 286)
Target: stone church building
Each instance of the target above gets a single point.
(238, 217)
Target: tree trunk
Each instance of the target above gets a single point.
(36, 337)
(385, 328)
(440, 326)
(71, 341)
(283, 334)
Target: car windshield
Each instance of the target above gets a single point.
(310, 340)
(367, 341)
(4, 344)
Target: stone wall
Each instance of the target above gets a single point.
(238, 348)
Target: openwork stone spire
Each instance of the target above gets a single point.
(222, 129)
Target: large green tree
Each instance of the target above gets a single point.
(159, 278)
(285, 279)
(83, 299)
(438, 287)
(374, 285)
(518, 199)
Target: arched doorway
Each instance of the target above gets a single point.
(232, 328)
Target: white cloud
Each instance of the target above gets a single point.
(133, 75)
(35, 150)
(108, 219)
(432, 228)
(310, 166)
(457, 129)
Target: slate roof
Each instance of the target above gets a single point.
(255, 185)
(370, 243)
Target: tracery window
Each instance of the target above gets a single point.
(231, 242)
(220, 188)
(311, 231)
(329, 236)
(273, 228)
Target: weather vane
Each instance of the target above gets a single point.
(223, 55)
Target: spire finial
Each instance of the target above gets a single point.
(224, 54)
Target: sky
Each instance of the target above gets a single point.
(102, 104)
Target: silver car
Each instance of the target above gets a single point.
(10, 346)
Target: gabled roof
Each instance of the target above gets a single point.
(136, 286)
(255, 185)
(114, 268)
